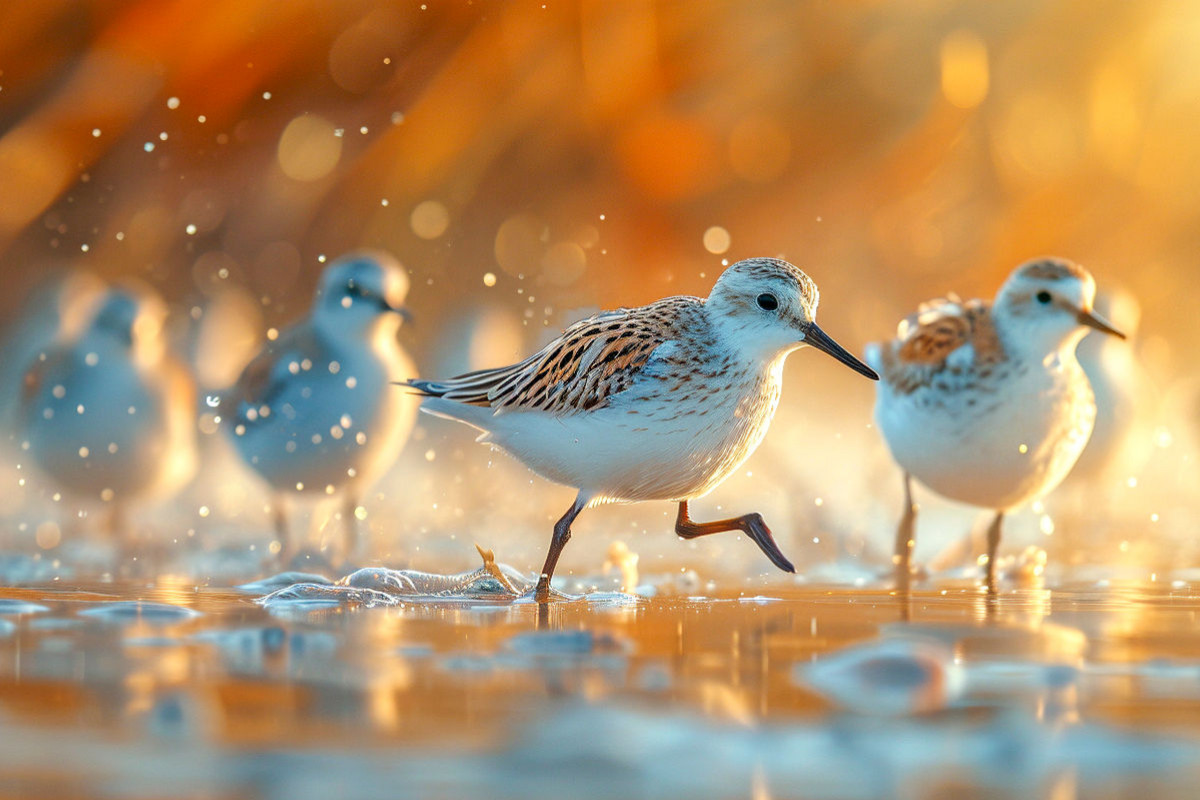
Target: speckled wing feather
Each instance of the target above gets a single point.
(581, 370)
(944, 334)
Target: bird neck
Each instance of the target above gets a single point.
(1037, 340)
(757, 348)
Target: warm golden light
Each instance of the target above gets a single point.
(964, 60)
(309, 148)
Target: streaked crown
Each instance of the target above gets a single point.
(1066, 283)
(741, 286)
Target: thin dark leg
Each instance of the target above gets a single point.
(350, 528)
(905, 535)
(562, 535)
(281, 530)
(993, 543)
(751, 524)
(123, 532)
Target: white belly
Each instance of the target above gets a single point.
(1015, 443)
(110, 431)
(643, 447)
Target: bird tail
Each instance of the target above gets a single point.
(425, 388)
(478, 417)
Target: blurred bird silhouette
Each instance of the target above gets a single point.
(986, 404)
(107, 414)
(55, 310)
(1122, 390)
(315, 412)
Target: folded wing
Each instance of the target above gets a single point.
(593, 360)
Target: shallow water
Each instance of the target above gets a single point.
(166, 689)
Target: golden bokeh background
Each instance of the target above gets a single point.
(529, 161)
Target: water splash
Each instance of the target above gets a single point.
(282, 581)
(316, 596)
(488, 582)
(380, 586)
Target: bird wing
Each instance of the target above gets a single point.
(265, 377)
(593, 360)
(943, 333)
(37, 373)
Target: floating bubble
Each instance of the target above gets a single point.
(520, 242)
(308, 150)
(717, 240)
(429, 219)
(563, 263)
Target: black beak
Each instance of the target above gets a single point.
(816, 337)
(403, 311)
(1093, 320)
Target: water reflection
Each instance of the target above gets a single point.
(493, 689)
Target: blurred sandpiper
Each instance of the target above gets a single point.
(314, 413)
(109, 415)
(986, 404)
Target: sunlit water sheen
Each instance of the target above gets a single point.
(374, 685)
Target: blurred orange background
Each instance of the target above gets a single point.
(538, 159)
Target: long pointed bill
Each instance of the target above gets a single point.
(1094, 320)
(816, 337)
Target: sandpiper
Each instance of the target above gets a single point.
(987, 404)
(108, 414)
(660, 402)
(53, 313)
(314, 412)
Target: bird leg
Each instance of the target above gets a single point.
(125, 535)
(281, 530)
(905, 534)
(993, 543)
(353, 538)
(562, 534)
(750, 524)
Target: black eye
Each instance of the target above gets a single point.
(1043, 297)
(767, 302)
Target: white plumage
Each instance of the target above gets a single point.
(315, 412)
(987, 404)
(660, 402)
